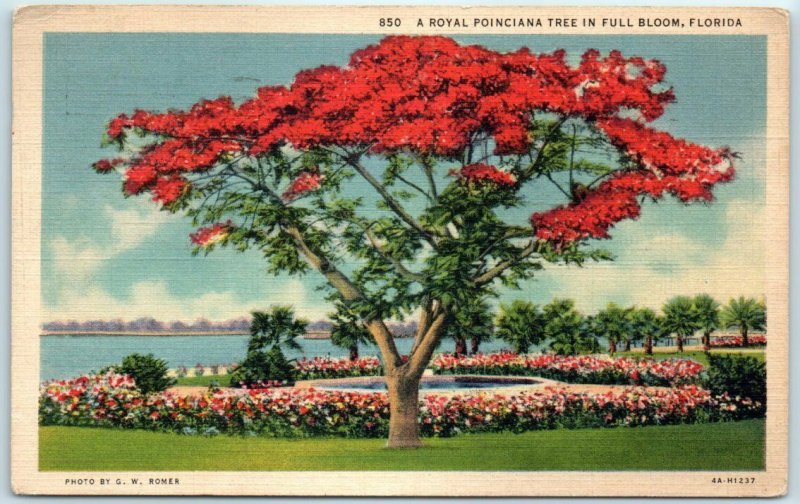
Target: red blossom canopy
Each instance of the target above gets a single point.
(429, 95)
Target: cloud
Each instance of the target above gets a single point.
(129, 228)
(154, 299)
(657, 268)
(80, 257)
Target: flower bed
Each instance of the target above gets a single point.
(319, 368)
(598, 369)
(736, 341)
(112, 401)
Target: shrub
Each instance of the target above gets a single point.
(149, 373)
(740, 376)
(263, 368)
(269, 330)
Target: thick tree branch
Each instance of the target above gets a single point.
(419, 359)
(340, 282)
(349, 292)
(424, 322)
(498, 269)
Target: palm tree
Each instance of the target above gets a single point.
(707, 317)
(348, 331)
(276, 328)
(521, 325)
(472, 321)
(567, 329)
(269, 332)
(680, 318)
(745, 314)
(481, 326)
(613, 324)
(646, 324)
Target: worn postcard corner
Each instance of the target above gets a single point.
(397, 251)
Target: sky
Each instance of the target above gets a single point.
(105, 256)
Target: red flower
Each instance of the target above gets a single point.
(168, 189)
(306, 181)
(483, 174)
(206, 236)
(428, 95)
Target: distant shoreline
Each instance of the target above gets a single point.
(143, 333)
(167, 334)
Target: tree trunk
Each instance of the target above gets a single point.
(476, 344)
(612, 346)
(461, 346)
(648, 345)
(403, 411)
(745, 341)
(354, 352)
(627, 345)
(679, 340)
(707, 341)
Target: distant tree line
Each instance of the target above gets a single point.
(148, 325)
(567, 331)
(201, 325)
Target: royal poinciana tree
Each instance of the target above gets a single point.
(396, 177)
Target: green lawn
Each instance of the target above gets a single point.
(205, 381)
(699, 356)
(722, 446)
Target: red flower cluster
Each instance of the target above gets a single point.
(328, 367)
(480, 173)
(686, 170)
(308, 412)
(432, 96)
(574, 368)
(306, 181)
(736, 341)
(212, 234)
(106, 165)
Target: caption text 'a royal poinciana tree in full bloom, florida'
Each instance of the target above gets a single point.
(397, 176)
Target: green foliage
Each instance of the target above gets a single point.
(737, 375)
(472, 321)
(567, 329)
(149, 373)
(348, 330)
(681, 316)
(426, 236)
(745, 314)
(263, 367)
(708, 317)
(265, 361)
(521, 324)
(644, 323)
(612, 323)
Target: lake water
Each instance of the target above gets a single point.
(68, 356)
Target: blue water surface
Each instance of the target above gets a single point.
(71, 355)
